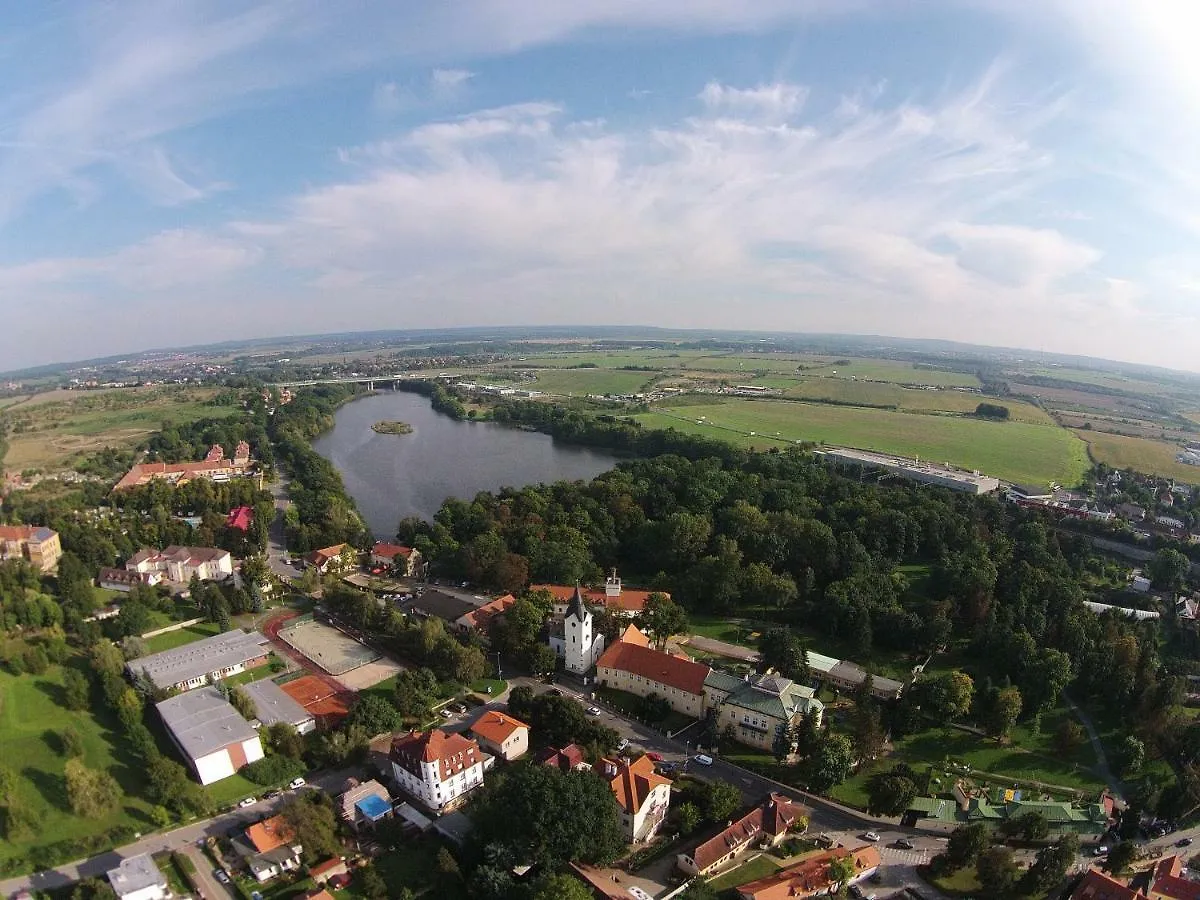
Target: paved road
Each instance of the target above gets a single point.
(277, 555)
(209, 888)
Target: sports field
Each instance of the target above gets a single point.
(1142, 454)
(1014, 451)
(327, 647)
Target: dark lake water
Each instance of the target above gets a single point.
(391, 476)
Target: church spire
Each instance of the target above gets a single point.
(576, 607)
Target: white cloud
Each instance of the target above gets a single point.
(450, 79)
(777, 100)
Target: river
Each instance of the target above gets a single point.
(391, 476)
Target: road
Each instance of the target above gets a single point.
(277, 555)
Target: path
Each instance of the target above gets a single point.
(723, 648)
(1115, 785)
(277, 555)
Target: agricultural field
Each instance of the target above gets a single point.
(1107, 380)
(589, 381)
(52, 430)
(872, 393)
(1142, 454)
(1014, 451)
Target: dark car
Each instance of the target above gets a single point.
(904, 844)
(1183, 842)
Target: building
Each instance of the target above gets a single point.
(272, 706)
(643, 671)
(568, 759)
(439, 605)
(270, 848)
(764, 826)
(215, 467)
(213, 738)
(332, 868)
(198, 663)
(618, 600)
(1139, 583)
(481, 618)
(180, 564)
(437, 769)
(759, 709)
(1062, 817)
(138, 878)
(845, 675)
(329, 559)
(37, 545)
(362, 805)
(810, 876)
(643, 795)
(915, 470)
(240, 518)
(573, 639)
(501, 735)
(1164, 880)
(401, 560)
(125, 581)
(1129, 613)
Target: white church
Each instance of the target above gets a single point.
(573, 639)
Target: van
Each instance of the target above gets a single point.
(703, 759)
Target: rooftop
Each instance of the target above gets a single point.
(204, 722)
(497, 727)
(135, 873)
(773, 816)
(775, 696)
(182, 664)
(655, 665)
(270, 833)
(632, 782)
(272, 705)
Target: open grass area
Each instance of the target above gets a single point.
(590, 381)
(413, 865)
(633, 706)
(1142, 454)
(172, 639)
(871, 393)
(1011, 450)
(759, 867)
(962, 883)
(32, 716)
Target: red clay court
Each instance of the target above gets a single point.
(318, 696)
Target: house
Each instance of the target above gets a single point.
(568, 759)
(401, 560)
(439, 605)
(362, 805)
(329, 559)
(38, 546)
(437, 769)
(501, 735)
(195, 664)
(272, 706)
(1169, 522)
(1095, 885)
(574, 640)
(180, 564)
(764, 826)
(330, 868)
(1131, 512)
(643, 671)
(1164, 880)
(1139, 583)
(240, 518)
(209, 733)
(215, 467)
(138, 878)
(481, 618)
(270, 848)
(843, 674)
(125, 581)
(810, 876)
(616, 599)
(642, 794)
(760, 708)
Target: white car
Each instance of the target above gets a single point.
(703, 759)
(247, 801)
(593, 711)
(624, 743)
(296, 783)
(870, 836)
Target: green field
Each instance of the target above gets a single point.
(1142, 454)
(31, 717)
(1015, 451)
(590, 381)
(172, 639)
(759, 867)
(664, 359)
(872, 393)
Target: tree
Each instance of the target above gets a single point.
(93, 889)
(699, 889)
(1069, 737)
(1131, 755)
(72, 742)
(415, 692)
(891, 793)
(1032, 826)
(1121, 856)
(840, 870)
(76, 689)
(310, 816)
(1168, 569)
(830, 764)
(371, 884)
(721, 800)
(374, 714)
(947, 695)
(662, 617)
(1050, 866)
(964, 845)
(1005, 708)
(867, 727)
(688, 817)
(997, 871)
(91, 793)
(242, 702)
(541, 660)
(560, 887)
(284, 740)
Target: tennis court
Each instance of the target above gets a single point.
(327, 647)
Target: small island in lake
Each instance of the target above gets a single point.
(392, 428)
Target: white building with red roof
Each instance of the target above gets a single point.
(629, 665)
(643, 795)
(501, 735)
(618, 600)
(436, 768)
(404, 561)
(179, 564)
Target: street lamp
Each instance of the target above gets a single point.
(499, 676)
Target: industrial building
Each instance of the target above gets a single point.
(915, 470)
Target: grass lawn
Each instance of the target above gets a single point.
(873, 393)
(962, 883)
(31, 717)
(172, 639)
(590, 381)
(413, 865)
(1142, 454)
(228, 791)
(487, 687)
(631, 705)
(759, 867)
(1012, 450)
(741, 632)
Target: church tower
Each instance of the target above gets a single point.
(578, 640)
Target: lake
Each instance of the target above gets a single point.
(392, 476)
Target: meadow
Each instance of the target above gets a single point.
(1014, 451)
(1142, 454)
(590, 381)
(873, 393)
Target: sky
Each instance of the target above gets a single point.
(1007, 173)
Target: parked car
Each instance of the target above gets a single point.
(655, 756)
(247, 801)
(1100, 851)
(624, 743)
(703, 759)
(554, 692)
(221, 875)
(870, 836)
(1183, 842)
(593, 711)
(271, 795)
(904, 844)
(446, 714)
(296, 783)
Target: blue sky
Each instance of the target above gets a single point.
(1004, 173)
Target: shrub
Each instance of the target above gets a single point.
(272, 770)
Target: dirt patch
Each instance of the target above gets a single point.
(370, 674)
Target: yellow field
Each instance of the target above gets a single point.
(1142, 454)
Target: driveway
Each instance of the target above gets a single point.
(209, 887)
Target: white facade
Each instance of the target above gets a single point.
(431, 790)
(578, 645)
(220, 764)
(643, 824)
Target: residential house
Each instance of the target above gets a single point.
(401, 560)
(764, 826)
(362, 805)
(810, 876)
(1164, 880)
(329, 559)
(643, 795)
(481, 618)
(501, 735)
(138, 878)
(240, 518)
(180, 564)
(568, 759)
(573, 638)
(1131, 512)
(125, 581)
(270, 848)
(437, 769)
(618, 600)
(272, 706)
(439, 605)
(761, 708)
(1095, 885)
(322, 872)
(643, 671)
(215, 467)
(37, 545)
(210, 659)
(213, 738)
(1139, 583)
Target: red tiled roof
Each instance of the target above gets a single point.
(1168, 881)
(391, 551)
(772, 817)
(326, 553)
(565, 759)
(633, 635)
(496, 726)
(454, 752)
(240, 517)
(1095, 885)
(653, 665)
(15, 532)
(328, 866)
(628, 600)
(480, 618)
(808, 877)
(632, 782)
(270, 833)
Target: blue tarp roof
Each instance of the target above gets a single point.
(373, 807)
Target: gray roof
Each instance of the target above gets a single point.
(723, 681)
(135, 873)
(856, 674)
(202, 722)
(440, 605)
(272, 705)
(775, 696)
(182, 664)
